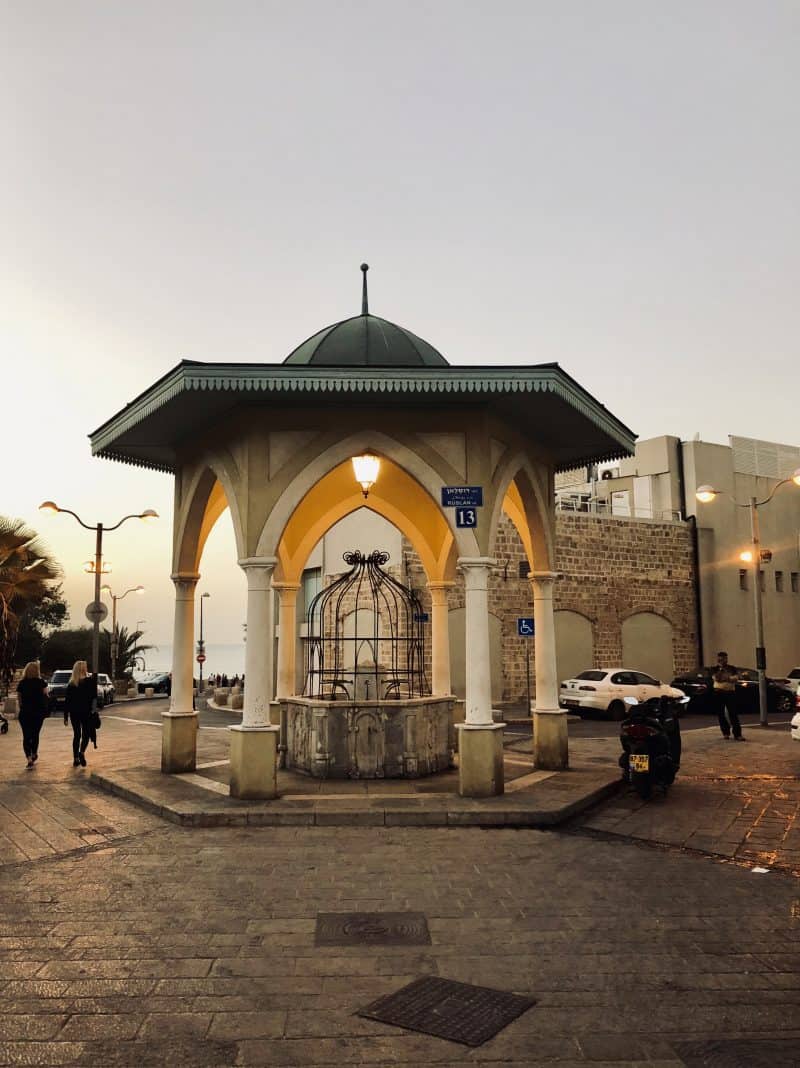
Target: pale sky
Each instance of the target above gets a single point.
(612, 186)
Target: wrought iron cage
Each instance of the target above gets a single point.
(365, 636)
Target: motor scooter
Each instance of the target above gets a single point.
(651, 743)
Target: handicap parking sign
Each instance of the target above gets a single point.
(525, 626)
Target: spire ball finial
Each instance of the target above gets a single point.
(364, 301)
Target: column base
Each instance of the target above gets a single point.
(480, 759)
(550, 740)
(254, 760)
(178, 742)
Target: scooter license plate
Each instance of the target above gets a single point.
(640, 762)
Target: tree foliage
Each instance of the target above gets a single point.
(27, 575)
(37, 622)
(64, 647)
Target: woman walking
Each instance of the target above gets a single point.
(32, 695)
(79, 709)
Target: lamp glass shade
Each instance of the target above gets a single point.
(48, 506)
(705, 494)
(796, 477)
(746, 556)
(149, 514)
(366, 468)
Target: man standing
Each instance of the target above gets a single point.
(725, 676)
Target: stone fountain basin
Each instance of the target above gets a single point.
(398, 739)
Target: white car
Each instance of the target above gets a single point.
(793, 679)
(795, 725)
(605, 690)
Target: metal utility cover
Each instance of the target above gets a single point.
(371, 929)
(459, 1012)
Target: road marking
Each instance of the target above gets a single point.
(207, 784)
(527, 780)
(125, 719)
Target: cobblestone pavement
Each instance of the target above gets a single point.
(153, 944)
(740, 801)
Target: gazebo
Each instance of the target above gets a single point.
(456, 445)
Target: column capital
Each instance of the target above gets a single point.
(292, 587)
(466, 562)
(546, 578)
(258, 570)
(185, 583)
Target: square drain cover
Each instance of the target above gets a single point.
(371, 929)
(459, 1012)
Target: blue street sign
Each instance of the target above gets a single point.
(462, 496)
(421, 617)
(466, 517)
(525, 627)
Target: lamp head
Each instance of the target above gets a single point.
(139, 589)
(746, 556)
(107, 588)
(366, 468)
(49, 506)
(796, 477)
(706, 494)
(149, 515)
(88, 567)
(205, 594)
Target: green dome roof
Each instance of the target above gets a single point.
(366, 341)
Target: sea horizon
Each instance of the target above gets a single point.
(221, 658)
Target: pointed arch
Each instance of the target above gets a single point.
(210, 488)
(523, 493)
(417, 503)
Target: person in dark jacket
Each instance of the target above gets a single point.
(32, 695)
(79, 710)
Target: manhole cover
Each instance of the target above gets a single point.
(769, 1053)
(459, 1012)
(371, 928)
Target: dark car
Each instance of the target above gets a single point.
(57, 690)
(159, 680)
(699, 686)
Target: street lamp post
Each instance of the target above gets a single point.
(706, 494)
(201, 650)
(114, 643)
(98, 528)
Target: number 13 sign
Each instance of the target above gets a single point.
(466, 517)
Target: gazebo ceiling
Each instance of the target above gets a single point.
(541, 402)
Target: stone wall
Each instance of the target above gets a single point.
(610, 569)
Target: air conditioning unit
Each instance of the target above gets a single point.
(610, 472)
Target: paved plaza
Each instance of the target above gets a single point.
(641, 931)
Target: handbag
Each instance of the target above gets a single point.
(94, 719)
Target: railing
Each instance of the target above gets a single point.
(584, 504)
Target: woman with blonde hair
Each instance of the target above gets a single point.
(79, 705)
(32, 694)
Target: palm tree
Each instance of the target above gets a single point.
(128, 648)
(27, 572)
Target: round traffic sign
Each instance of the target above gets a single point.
(96, 611)
(201, 658)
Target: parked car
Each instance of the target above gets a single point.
(57, 693)
(793, 679)
(605, 689)
(699, 686)
(59, 681)
(795, 725)
(105, 690)
(159, 680)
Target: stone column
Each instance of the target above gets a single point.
(254, 743)
(480, 738)
(440, 639)
(287, 637)
(179, 724)
(550, 738)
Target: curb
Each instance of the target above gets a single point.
(338, 814)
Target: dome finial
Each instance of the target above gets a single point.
(364, 302)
